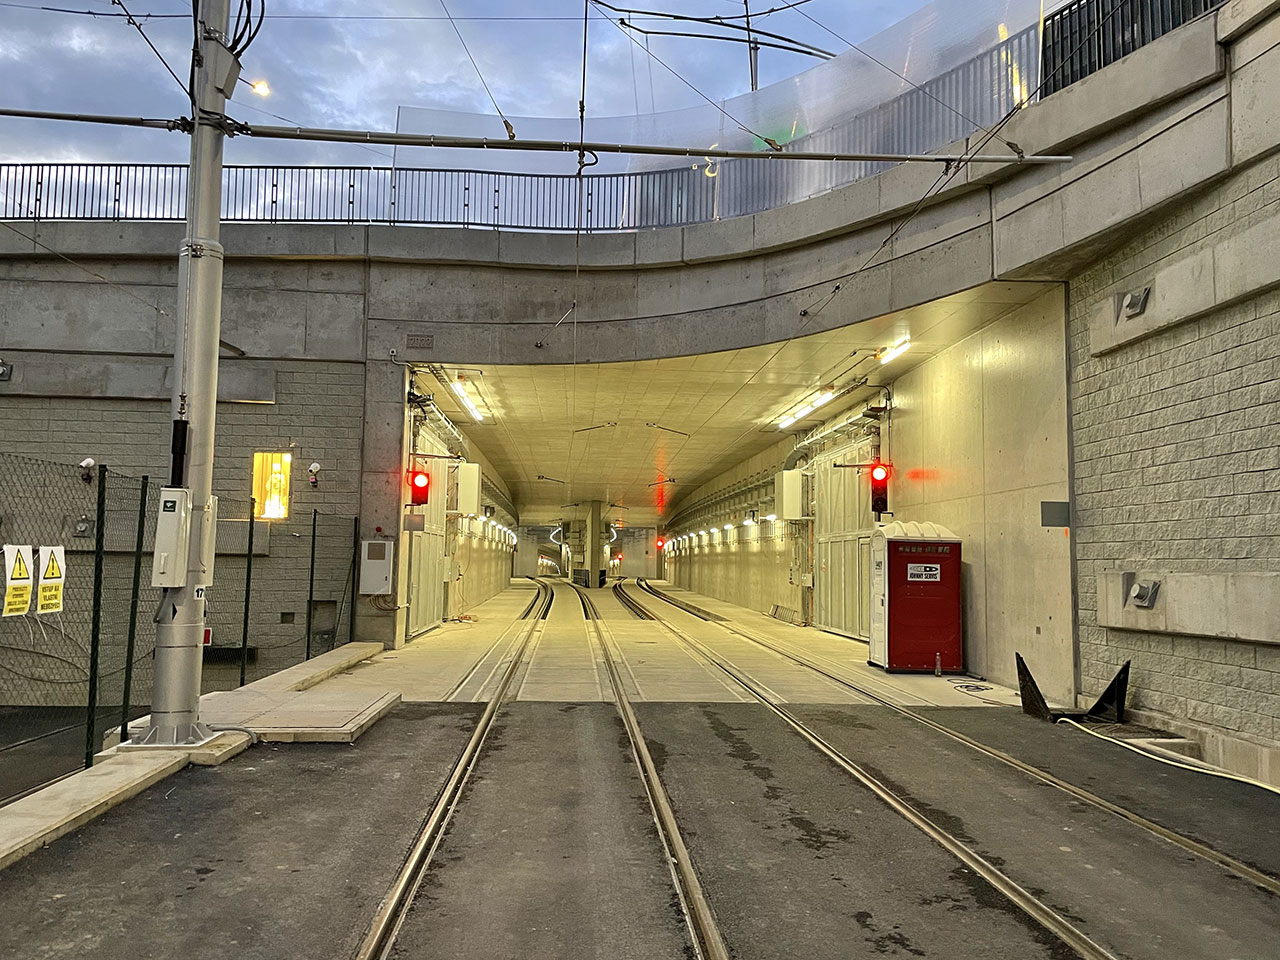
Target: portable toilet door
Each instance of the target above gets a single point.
(879, 635)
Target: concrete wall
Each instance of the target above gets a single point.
(978, 440)
(483, 559)
(750, 568)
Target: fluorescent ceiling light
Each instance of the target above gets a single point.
(467, 402)
(892, 353)
(807, 408)
(728, 526)
(772, 517)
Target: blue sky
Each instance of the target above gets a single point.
(355, 73)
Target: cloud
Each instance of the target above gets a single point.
(356, 73)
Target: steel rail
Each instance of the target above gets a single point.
(703, 929)
(386, 923)
(514, 625)
(1255, 876)
(1026, 901)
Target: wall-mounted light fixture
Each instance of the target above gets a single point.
(885, 354)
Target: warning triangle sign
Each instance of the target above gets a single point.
(52, 570)
(20, 571)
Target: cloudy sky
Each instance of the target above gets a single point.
(330, 64)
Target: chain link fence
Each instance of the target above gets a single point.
(282, 592)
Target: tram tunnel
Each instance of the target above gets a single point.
(588, 466)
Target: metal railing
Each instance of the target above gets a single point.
(1083, 37)
(1077, 40)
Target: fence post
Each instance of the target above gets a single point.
(355, 587)
(248, 588)
(133, 610)
(311, 579)
(95, 633)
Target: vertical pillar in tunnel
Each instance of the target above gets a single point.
(384, 459)
(593, 558)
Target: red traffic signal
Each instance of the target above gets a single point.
(880, 473)
(419, 487)
(661, 543)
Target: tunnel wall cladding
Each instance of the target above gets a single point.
(1177, 470)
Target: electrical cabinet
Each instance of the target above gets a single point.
(788, 495)
(375, 567)
(469, 489)
(173, 538)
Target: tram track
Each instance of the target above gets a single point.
(1038, 910)
(503, 637)
(1231, 864)
(380, 937)
(706, 936)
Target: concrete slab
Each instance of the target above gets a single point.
(35, 821)
(285, 853)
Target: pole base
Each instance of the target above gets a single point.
(181, 735)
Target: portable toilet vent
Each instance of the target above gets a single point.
(916, 623)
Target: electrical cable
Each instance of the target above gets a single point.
(133, 22)
(1222, 774)
(816, 52)
(79, 266)
(511, 133)
(773, 144)
(713, 21)
(577, 244)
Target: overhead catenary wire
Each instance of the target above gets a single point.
(773, 144)
(714, 22)
(511, 133)
(812, 52)
(577, 242)
(133, 22)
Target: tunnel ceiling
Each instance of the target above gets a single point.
(588, 424)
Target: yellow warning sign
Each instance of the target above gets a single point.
(17, 585)
(53, 562)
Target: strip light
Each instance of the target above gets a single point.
(807, 409)
(885, 354)
(467, 402)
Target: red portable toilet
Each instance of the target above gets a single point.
(916, 620)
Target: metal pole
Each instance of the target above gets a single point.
(133, 609)
(355, 552)
(311, 579)
(248, 590)
(175, 702)
(753, 50)
(95, 631)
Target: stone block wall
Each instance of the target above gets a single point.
(1176, 439)
(317, 416)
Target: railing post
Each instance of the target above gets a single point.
(248, 590)
(311, 579)
(95, 630)
(355, 552)
(133, 610)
